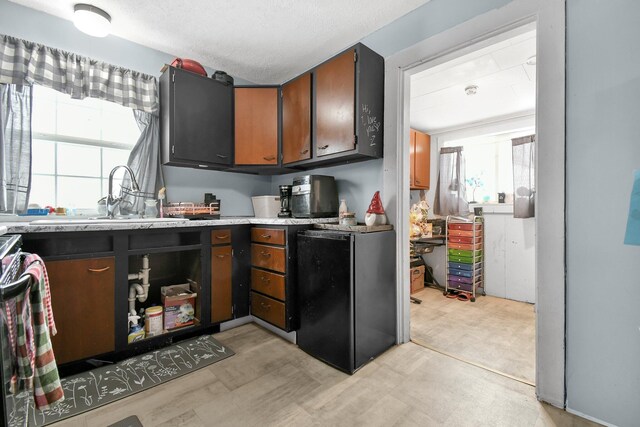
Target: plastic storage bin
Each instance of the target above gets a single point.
(266, 206)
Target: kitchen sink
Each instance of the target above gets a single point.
(69, 221)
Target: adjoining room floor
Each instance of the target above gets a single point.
(492, 332)
(271, 382)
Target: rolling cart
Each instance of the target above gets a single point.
(465, 256)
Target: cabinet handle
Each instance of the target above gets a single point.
(221, 256)
(418, 181)
(222, 156)
(416, 272)
(226, 236)
(265, 306)
(265, 236)
(269, 158)
(98, 270)
(324, 147)
(265, 279)
(265, 254)
(304, 151)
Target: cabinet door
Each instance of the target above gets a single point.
(412, 157)
(256, 126)
(335, 105)
(82, 297)
(422, 161)
(296, 119)
(221, 267)
(202, 121)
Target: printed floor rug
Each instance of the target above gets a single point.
(92, 389)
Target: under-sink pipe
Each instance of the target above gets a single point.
(136, 290)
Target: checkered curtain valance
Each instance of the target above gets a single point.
(23, 62)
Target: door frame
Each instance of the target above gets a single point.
(549, 16)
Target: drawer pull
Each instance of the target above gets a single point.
(324, 147)
(265, 236)
(269, 158)
(221, 256)
(265, 306)
(98, 270)
(222, 237)
(265, 254)
(304, 151)
(265, 279)
(222, 156)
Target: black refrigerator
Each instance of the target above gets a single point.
(347, 296)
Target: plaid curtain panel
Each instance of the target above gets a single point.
(22, 62)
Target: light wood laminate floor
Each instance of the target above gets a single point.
(493, 332)
(271, 382)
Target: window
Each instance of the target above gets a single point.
(488, 167)
(76, 143)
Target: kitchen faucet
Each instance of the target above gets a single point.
(112, 202)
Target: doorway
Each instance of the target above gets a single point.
(549, 16)
(481, 104)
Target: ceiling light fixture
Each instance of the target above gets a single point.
(91, 20)
(471, 90)
(531, 60)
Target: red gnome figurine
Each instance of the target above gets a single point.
(375, 214)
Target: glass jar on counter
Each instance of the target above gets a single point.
(150, 209)
(348, 218)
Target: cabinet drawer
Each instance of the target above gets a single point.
(272, 236)
(268, 309)
(269, 257)
(222, 236)
(268, 283)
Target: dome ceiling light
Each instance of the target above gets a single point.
(91, 20)
(471, 90)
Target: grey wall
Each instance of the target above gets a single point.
(356, 183)
(603, 298)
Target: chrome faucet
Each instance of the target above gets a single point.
(113, 202)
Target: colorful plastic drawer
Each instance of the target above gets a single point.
(461, 266)
(465, 246)
(461, 286)
(464, 226)
(461, 233)
(464, 259)
(465, 273)
(465, 240)
(464, 253)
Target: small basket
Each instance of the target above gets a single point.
(193, 210)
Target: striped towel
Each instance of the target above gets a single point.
(36, 363)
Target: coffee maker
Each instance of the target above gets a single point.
(285, 201)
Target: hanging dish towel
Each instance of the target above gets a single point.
(36, 363)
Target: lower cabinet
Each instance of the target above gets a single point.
(82, 296)
(273, 276)
(221, 273)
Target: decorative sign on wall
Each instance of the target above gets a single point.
(632, 237)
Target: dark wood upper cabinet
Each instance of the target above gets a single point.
(412, 158)
(196, 120)
(335, 105)
(256, 126)
(296, 119)
(348, 106)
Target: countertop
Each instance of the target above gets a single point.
(26, 227)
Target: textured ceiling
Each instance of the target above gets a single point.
(506, 86)
(263, 41)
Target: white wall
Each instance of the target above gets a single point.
(603, 148)
(510, 256)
